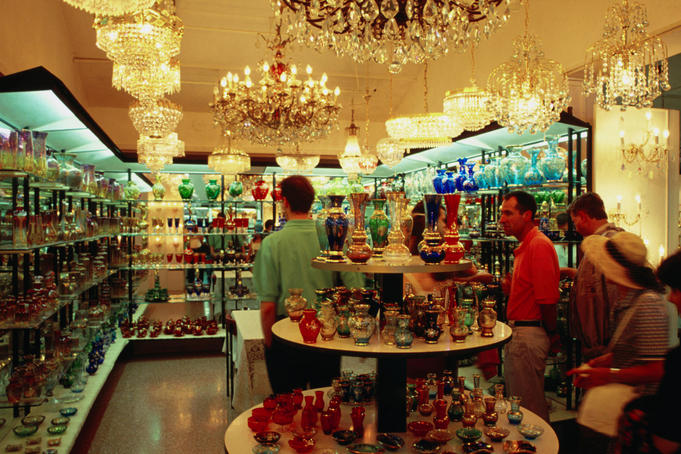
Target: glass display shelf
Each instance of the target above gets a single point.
(521, 187)
(221, 333)
(413, 265)
(35, 321)
(177, 267)
(201, 202)
(88, 285)
(226, 233)
(10, 249)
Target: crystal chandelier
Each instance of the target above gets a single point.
(111, 7)
(398, 32)
(424, 130)
(369, 160)
(143, 39)
(227, 160)
(280, 108)
(627, 67)
(390, 151)
(529, 91)
(150, 82)
(351, 156)
(156, 152)
(296, 161)
(155, 119)
(469, 107)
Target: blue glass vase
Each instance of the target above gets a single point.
(470, 185)
(491, 174)
(431, 249)
(336, 228)
(439, 181)
(533, 175)
(461, 177)
(480, 177)
(450, 183)
(513, 167)
(552, 165)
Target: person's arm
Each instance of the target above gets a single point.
(567, 272)
(650, 372)
(268, 315)
(666, 446)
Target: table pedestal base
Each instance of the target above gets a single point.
(391, 398)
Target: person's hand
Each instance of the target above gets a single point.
(567, 272)
(601, 361)
(556, 346)
(588, 377)
(506, 284)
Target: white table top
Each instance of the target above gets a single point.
(248, 324)
(239, 438)
(288, 331)
(413, 265)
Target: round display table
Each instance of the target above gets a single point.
(239, 438)
(391, 377)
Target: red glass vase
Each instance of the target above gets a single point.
(276, 193)
(260, 190)
(454, 250)
(310, 326)
(308, 418)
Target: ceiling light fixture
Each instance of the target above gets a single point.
(296, 161)
(156, 152)
(155, 119)
(111, 7)
(227, 160)
(148, 83)
(351, 156)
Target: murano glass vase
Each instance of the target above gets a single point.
(513, 167)
(431, 249)
(461, 177)
(470, 185)
(378, 226)
(320, 225)
(533, 175)
(396, 252)
(552, 165)
(454, 250)
(336, 228)
(359, 251)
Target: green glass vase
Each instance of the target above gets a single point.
(158, 190)
(212, 190)
(186, 189)
(236, 189)
(379, 225)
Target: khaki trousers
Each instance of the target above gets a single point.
(524, 364)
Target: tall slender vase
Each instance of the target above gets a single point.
(533, 175)
(359, 251)
(320, 225)
(336, 228)
(431, 249)
(461, 177)
(454, 250)
(396, 251)
(378, 226)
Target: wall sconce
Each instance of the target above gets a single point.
(651, 151)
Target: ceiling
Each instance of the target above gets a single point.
(223, 35)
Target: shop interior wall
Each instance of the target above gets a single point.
(657, 187)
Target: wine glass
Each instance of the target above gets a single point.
(170, 224)
(177, 224)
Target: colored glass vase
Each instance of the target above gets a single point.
(320, 226)
(533, 176)
(487, 318)
(379, 226)
(132, 192)
(515, 416)
(158, 189)
(362, 325)
(186, 189)
(396, 252)
(236, 188)
(455, 410)
(513, 167)
(212, 190)
(260, 190)
(552, 165)
(309, 326)
(295, 303)
(491, 174)
(336, 228)
(454, 250)
(432, 330)
(439, 181)
(461, 177)
(359, 251)
(327, 316)
(403, 336)
(470, 185)
(450, 183)
(431, 249)
(388, 331)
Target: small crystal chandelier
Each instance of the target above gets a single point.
(469, 107)
(627, 67)
(111, 7)
(528, 92)
(390, 151)
(369, 160)
(296, 161)
(155, 119)
(351, 156)
(150, 82)
(156, 152)
(424, 130)
(651, 150)
(227, 160)
(143, 39)
(279, 109)
(398, 32)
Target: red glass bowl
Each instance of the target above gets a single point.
(420, 428)
(302, 444)
(261, 414)
(256, 425)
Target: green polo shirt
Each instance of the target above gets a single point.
(284, 262)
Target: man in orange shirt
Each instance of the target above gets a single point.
(531, 307)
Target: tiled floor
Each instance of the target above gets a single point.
(163, 404)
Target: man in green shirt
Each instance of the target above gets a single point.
(284, 262)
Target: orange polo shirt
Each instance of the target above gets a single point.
(536, 276)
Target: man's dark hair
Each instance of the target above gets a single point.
(299, 193)
(669, 271)
(590, 204)
(562, 218)
(269, 224)
(524, 201)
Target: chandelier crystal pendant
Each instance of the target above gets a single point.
(111, 7)
(227, 160)
(296, 161)
(469, 107)
(143, 39)
(351, 156)
(426, 130)
(278, 109)
(155, 119)
(390, 151)
(148, 83)
(156, 152)
(369, 161)
(628, 67)
(392, 31)
(528, 92)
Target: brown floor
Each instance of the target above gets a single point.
(160, 404)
